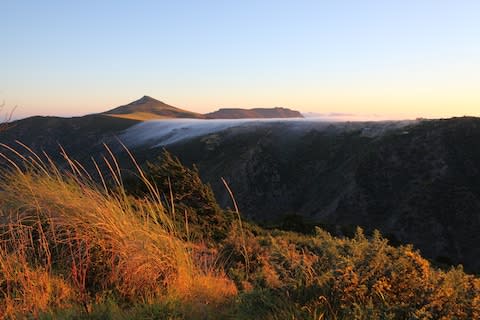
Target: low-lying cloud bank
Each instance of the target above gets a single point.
(158, 133)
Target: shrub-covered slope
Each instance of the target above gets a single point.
(418, 184)
(73, 248)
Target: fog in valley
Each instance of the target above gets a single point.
(156, 133)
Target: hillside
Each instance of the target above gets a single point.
(255, 113)
(71, 248)
(417, 184)
(82, 137)
(148, 108)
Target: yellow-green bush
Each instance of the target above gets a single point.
(358, 278)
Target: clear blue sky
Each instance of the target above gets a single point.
(395, 58)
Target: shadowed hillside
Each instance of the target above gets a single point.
(417, 184)
(82, 137)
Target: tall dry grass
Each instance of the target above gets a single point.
(64, 239)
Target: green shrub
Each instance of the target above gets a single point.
(196, 211)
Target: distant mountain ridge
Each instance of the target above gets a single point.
(148, 108)
(263, 113)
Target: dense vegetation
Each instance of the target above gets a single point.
(75, 248)
(416, 182)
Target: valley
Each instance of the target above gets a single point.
(415, 181)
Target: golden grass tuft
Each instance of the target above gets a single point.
(30, 290)
(64, 238)
(213, 288)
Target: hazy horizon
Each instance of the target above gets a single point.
(371, 58)
(12, 113)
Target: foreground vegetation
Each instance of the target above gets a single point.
(75, 245)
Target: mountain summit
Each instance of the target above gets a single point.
(147, 108)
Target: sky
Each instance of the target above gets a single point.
(388, 59)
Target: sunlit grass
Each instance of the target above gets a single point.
(67, 240)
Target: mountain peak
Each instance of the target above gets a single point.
(145, 99)
(147, 108)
